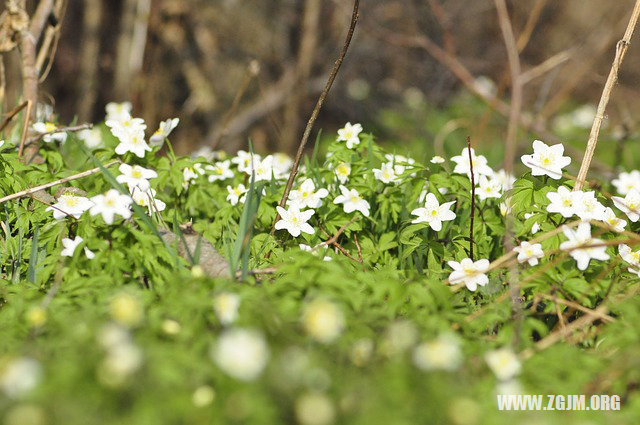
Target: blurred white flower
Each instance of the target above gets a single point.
(546, 160)
(631, 257)
(488, 188)
(148, 200)
(630, 204)
(294, 220)
(226, 306)
(442, 353)
(536, 226)
(469, 272)
(241, 353)
(361, 351)
(91, 137)
(399, 336)
(203, 396)
(262, 169)
(19, 376)
(237, 194)
(307, 196)
(70, 204)
(163, 131)
(433, 213)
(70, 246)
(352, 201)
(316, 252)
(126, 309)
(48, 127)
(190, 174)
(504, 179)
(504, 363)
(386, 173)
(118, 111)
(463, 166)
(243, 161)
(122, 361)
(343, 170)
(281, 165)
(400, 163)
(529, 252)
(437, 160)
(220, 171)
(314, 409)
(612, 220)
(323, 320)
(588, 207)
(350, 134)
(135, 176)
(627, 182)
(110, 204)
(582, 237)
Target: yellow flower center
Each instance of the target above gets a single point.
(136, 174)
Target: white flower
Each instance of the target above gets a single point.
(130, 133)
(529, 252)
(294, 220)
(70, 204)
(612, 220)
(90, 254)
(386, 173)
(352, 201)
(434, 213)
(564, 201)
(630, 204)
(442, 353)
(163, 131)
(262, 169)
(588, 207)
(241, 353)
(244, 160)
(122, 361)
(48, 127)
(315, 252)
(400, 163)
(463, 166)
(70, 246)
(627, 182)
(226, 307)
(148, 200)
(20, 376)
(343, 170)
(488, 188)
(237, 194)
(111, 203)
(504, 363)
(91, 137)
(631, 257)
(203, 396)
(220, 171)
(504, 179)
(536, 226)
(546, 160)
(470, 273)
(437, 160)
(281, 165)
(118, 111)
(307, 196)
(350, 134)
(132, 142)
(323, 320)
(135, 176)
(190, 174)
(582, 237)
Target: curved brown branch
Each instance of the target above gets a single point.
(314, 115)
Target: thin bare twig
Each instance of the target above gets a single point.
(55, 183)
(473, 198)
(12, 114)
(25, 128)
(621, 50)
(314, 115)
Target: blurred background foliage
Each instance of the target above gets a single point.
(192, 58)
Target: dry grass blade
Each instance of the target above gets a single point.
(621, 50)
